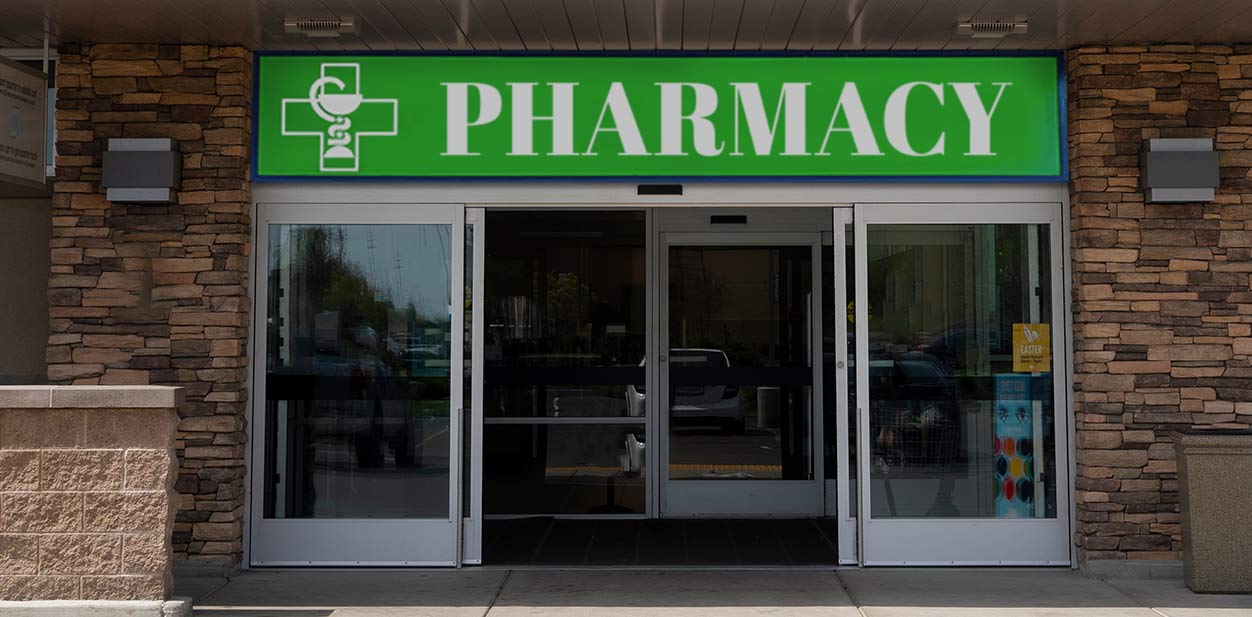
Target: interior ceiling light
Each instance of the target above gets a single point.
(988, 29)
(320, 28)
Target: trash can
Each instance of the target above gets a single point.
(768, 406)
(1215, 489)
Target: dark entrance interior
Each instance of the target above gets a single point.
(564, 424)
(569, 442)
(552, 541)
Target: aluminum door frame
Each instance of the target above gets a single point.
(737, 498)
(965, 541)
(355, 542)
(843, 511)
(471, 531)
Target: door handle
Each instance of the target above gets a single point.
(459, 490)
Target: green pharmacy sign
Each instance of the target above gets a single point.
(816, 117)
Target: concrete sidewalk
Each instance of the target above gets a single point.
(699, 593)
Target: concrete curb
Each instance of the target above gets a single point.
(174, 607)
(1132, 568)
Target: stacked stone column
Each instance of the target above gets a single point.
(157, 294)
(1162, 300)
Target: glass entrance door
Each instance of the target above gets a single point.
(739, 372)
(359, 386)
(565, 422)
(960, 348)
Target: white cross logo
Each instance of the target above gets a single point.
(338, 117)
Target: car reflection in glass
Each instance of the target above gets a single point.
(697, 405)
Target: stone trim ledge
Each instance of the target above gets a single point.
(90, 397)
(177, 607)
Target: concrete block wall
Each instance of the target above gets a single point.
(86, 492)
(1162, 295)
(157, 294)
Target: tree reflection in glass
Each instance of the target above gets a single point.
(358, 360)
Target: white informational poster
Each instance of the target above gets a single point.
(23, 115)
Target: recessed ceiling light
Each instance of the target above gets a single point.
(988, 29)
(320, 28)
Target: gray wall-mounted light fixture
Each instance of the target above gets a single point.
(142, 170)
(1179, 170)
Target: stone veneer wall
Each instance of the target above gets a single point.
(86, 490)
(1162, 303)
(157, 294)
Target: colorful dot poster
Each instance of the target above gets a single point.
(1014, 447)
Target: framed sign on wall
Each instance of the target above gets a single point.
(23, 114)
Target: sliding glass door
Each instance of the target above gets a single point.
(564, 391)
(740, 374)
(960, 348)
(358, 384)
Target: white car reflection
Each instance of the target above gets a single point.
(696, 405)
